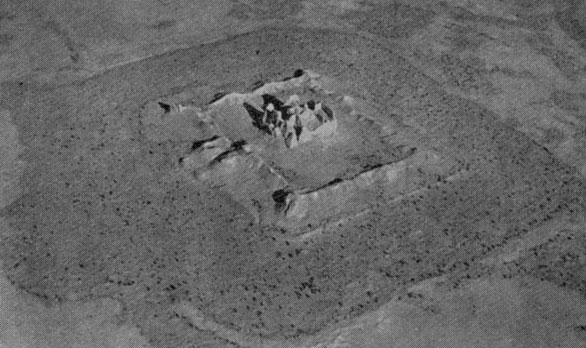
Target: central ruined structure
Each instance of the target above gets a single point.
(295, 122)
(305, 162)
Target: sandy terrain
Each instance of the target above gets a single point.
(140, 206)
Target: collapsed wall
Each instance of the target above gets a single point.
(307, 211)
(232, 167)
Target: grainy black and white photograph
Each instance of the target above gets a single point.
(292, 174)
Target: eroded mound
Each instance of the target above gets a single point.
(319, 156)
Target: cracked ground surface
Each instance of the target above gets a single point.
(447, 210)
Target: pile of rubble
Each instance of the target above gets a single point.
(294, 121)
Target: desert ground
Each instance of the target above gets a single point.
(292, 174)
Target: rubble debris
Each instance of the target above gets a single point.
(290, 119)
(271, 99)
(257, 117)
